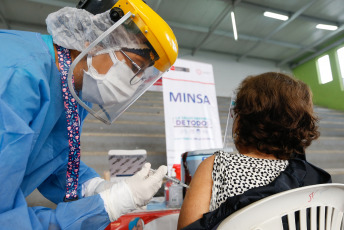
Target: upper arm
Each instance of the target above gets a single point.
(197, 199)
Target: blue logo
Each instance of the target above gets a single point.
(189, 98)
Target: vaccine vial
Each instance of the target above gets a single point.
(173, 193)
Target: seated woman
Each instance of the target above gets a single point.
(273, 123)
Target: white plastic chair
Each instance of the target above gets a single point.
(322, 206)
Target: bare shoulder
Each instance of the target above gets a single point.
(205, 167)
(202, 180)
(208, 161)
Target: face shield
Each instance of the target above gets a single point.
(120, 58)
(116, 74)
(228, 137)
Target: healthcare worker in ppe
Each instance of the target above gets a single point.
(92, 62)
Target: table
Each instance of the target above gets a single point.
(166, 219)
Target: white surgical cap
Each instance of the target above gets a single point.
(74, 28)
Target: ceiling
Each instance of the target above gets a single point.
(205, 25)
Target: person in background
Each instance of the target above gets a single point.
(98, 59)
(273, 124)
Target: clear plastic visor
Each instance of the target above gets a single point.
(228, 139)
(114, 71)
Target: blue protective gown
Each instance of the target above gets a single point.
(33, 140)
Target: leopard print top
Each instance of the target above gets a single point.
(235, 173)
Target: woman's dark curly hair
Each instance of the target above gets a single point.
(275, 114)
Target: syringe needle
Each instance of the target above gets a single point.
(173, 179)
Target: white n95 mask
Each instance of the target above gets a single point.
(110, 88)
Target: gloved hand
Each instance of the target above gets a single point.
(125, 196)
(145, 183)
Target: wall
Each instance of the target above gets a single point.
(228, 73)
(328, 95)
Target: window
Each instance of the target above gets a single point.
(324, 69)
(340, 55)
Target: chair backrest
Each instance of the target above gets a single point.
(316, 207)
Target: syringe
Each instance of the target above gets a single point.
(173, 180)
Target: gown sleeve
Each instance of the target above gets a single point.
(24, 99)
(16, 139)
(57, 182)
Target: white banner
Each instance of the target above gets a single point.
(190, 107)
